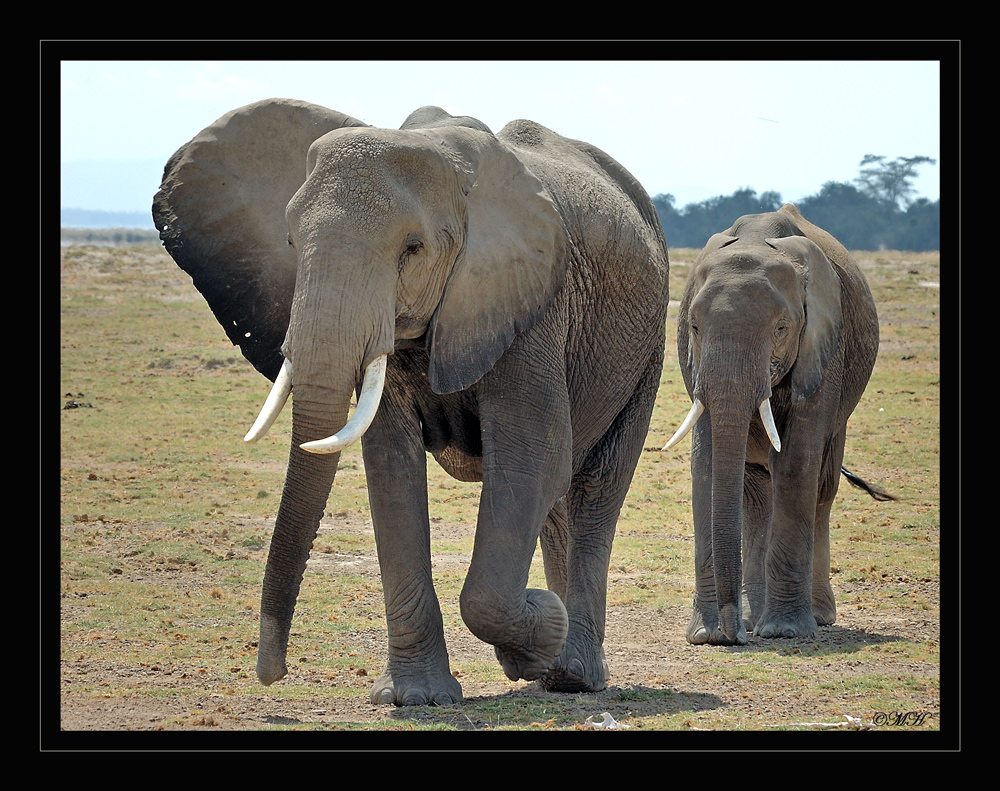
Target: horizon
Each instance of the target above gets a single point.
(691, 129)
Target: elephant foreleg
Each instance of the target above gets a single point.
(789, 564)
(417, 671)
(756, 528)
(526, 469)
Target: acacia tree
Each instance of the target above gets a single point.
(889, 183)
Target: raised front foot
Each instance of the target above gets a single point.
(533, 651)
(786, 623)
(420, 689)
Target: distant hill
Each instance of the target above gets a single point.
(89, 218)
(122, 189)
(104, 237)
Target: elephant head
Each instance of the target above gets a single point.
(759, 321)
(322, 244)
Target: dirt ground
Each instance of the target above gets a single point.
(645, 649)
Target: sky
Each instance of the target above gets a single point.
(692, 129)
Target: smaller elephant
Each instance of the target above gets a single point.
(777, 338)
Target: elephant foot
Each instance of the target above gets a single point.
(791, 623)
(704, 630)
(753, 606)
(420, 689)
(578, 669)
(824, 606)
(533, 657)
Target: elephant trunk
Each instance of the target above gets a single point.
(729, 444)
(303, 500)
(731, 400)
(337, 336)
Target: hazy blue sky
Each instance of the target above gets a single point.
(695, 129)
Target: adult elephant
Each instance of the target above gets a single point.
(777, 337)
(510, 291)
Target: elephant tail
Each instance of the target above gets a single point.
(861, 483)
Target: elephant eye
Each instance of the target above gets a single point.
(411, 246)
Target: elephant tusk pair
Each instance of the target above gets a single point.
(696, 411)
(368, 401)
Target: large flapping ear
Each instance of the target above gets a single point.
(821, 335)
(512, 264)
(220, 211)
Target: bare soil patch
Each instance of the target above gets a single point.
(645, 649)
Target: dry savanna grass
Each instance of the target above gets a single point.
(165, 518)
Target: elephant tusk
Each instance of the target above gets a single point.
(692, 417)
(364, 414)
(273, 404)
(769, 427)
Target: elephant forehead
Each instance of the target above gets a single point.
(375, 155)
(741, 286)
(368, 179)
(724, 292)
(744, 264)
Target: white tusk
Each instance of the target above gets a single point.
(272, 406)
(769, 427)
(692, 417)
(364, 414)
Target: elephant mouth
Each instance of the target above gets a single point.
(356, 426)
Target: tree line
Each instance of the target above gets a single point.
(875, 212)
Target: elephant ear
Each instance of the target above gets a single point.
(511, 266)
(220, 211)
(820, 337)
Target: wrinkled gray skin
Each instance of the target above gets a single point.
(776, 308)
(518, 283)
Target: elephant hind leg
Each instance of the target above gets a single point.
(824, 604)
(554, 541)
(594, 502)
